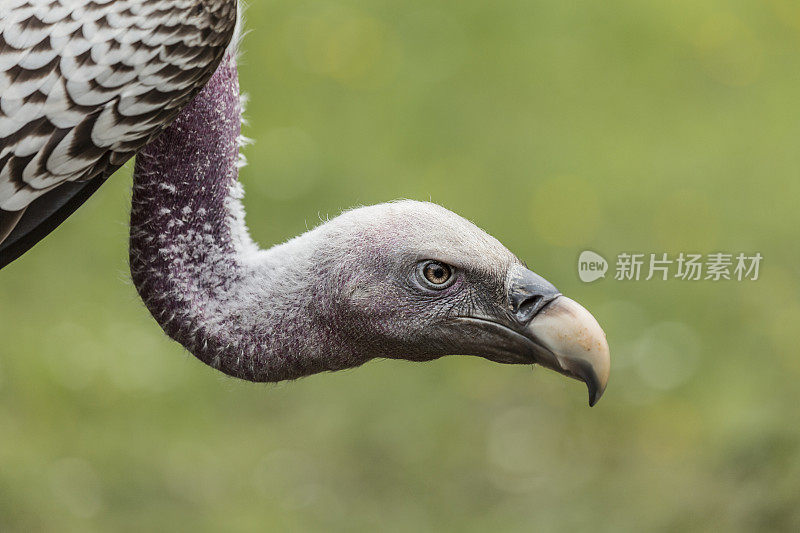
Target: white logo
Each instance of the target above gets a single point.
(634, 266)
(591, 266)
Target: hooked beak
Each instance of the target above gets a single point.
(571, 342)
(541, 326)
(566, 336)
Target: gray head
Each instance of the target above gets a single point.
(415, 281)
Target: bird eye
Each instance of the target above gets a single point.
(436, 275)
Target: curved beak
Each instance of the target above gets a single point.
(536, 325)
(571, 343)
(566, 336)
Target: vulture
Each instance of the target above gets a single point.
(87, 84)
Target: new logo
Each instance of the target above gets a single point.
(591, 266)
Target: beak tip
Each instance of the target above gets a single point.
(596, 383)
(594, 394)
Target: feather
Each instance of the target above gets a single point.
(84, 84)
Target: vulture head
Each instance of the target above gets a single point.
(413, 280)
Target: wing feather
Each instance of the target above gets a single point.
(85, 83)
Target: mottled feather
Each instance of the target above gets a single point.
(84, 84)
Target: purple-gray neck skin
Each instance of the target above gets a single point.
(192, 260)
(405, 279)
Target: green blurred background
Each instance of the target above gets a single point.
(556, 126)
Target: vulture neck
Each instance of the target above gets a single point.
(247, 312)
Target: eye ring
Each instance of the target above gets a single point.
(435, 274)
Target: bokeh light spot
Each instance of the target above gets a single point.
(351, 47)
(729, 50)
(667, 355)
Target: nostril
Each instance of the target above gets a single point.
(529, 294)
(534, 303)
(528, 305)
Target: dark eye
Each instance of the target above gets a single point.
(436, 275)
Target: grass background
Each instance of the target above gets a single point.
(556, 126)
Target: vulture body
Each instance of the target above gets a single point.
(86, 84)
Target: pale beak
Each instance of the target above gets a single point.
(572, 343)
(537, 325)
